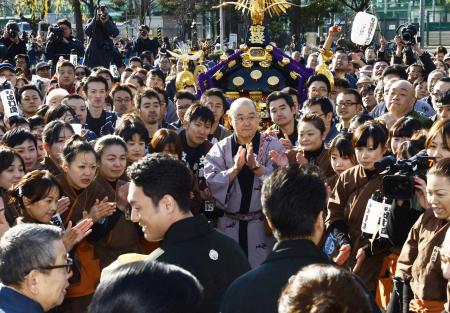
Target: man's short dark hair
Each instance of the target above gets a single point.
(159, 73)
(361, 118)
(381, 60)
(325, 104)
(66, 64)
(339, 50)
(94, 79)
(147, 93)
(292, 198)
(71, 97)
(353, 92)
(341, 82)
(367, 88)
(215, 92)
(121, 87)
(199, 112)
(184, 94)
(143, 286)
(415, 65)
(319, 78)
(397, 70)
(136, 59)
(128, 127)
(276, 95)
(444, 99)
(29, 87)
(290, 91)
(159, 175)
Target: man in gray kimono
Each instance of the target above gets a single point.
(235, 169)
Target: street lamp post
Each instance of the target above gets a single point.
(222, 30)
(422, 21)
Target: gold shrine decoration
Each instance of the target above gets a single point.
(256, 74)
(257, 34)
(238, 81)
(257, 8)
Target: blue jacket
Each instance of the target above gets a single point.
(13, 302)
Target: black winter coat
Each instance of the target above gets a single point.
(215, 259)
(100, 50)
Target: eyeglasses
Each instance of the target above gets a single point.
(68, 266)
(346, 104)
(80, 73)
(242, 119)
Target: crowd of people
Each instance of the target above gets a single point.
(122, 191)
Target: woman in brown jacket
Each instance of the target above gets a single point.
(419, 264)
(123, 236)
(311, 144)
(342, 157)
(311, 147)
(36, 196)
(87, 200)
(349, 198)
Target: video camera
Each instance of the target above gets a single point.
(399, 182)
(55, 33)
(408, 33)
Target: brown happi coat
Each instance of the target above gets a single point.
(322, 161)
(348, 203)
(89, 266)
(419, 260)
(124, 235)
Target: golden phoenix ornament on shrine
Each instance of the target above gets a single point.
(258, 8)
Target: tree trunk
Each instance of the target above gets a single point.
(76, 6)
(92, 8)
(142, 12)
(130, 7)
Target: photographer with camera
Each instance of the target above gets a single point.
(144, 43)
(407, 45)
(12, 41)
(419, 285)
(61, 43)
(401, 201)
(101, 50)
